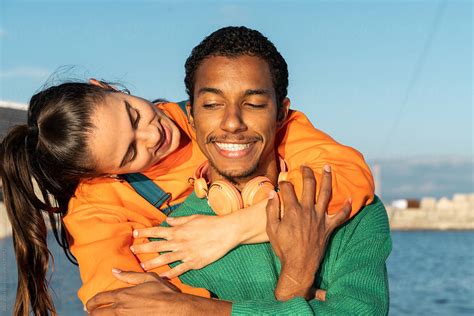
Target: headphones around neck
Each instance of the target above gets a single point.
(224, 198)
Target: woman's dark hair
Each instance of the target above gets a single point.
(234, 42)
(51, 150)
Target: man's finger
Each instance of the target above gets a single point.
(135, 278)
(273, 213)
(156, 232)
(176, 221)
(161, 260)
(288, 195)
(309, 187)
(325, 191)
(340, 217)
(176, 271)
(153, 247)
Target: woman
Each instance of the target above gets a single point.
(79, 136)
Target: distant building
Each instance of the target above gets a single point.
(403, 204)
(11, 114)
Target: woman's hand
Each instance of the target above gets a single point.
(196, 240)
(299, 239)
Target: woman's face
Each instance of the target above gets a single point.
(130, 134)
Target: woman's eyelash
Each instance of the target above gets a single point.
(137, 118)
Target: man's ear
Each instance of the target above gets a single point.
(283, 111)
(189, 111)
(102, 84)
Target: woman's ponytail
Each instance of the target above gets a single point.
(29, 229)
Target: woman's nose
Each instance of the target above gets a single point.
(148, 136)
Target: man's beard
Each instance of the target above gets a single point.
(235, 177)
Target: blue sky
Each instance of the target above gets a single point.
(390, 78)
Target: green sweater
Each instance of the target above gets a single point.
(353, 270)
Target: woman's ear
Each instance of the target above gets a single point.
(102, 84)
(189, 111)
(283, 111)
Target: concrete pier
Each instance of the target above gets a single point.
(436, 214)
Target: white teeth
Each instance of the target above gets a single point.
(232, 147)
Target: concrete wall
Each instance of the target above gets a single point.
(443, 214)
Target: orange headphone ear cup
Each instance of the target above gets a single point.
(200, 187)
(256, 190)
(224, 198)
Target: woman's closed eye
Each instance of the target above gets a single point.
(134, 117)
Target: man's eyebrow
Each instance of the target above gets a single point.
(130, 147)
(210, 90)
(257, 92)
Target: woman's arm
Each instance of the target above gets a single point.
(199, 240)
(101, 237)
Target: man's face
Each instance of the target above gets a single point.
(235, 116)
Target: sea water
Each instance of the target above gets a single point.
(430, 273)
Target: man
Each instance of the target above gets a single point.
(237, 101)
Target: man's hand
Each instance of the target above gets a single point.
(299, 239)
(152, 295)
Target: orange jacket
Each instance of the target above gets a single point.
(104, 211)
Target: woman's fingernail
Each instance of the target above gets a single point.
(135, 233)
(116, 271)
(169, 219)
(85, 308)
(132, 249)
(327, 168)
(143, 266)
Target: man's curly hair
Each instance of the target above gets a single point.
(233, 42)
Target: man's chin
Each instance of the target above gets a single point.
(236, 174)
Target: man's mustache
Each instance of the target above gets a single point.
(233, 139)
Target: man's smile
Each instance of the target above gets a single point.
(233, 150)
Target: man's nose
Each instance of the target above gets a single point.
(232, 121)
(149, 136)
